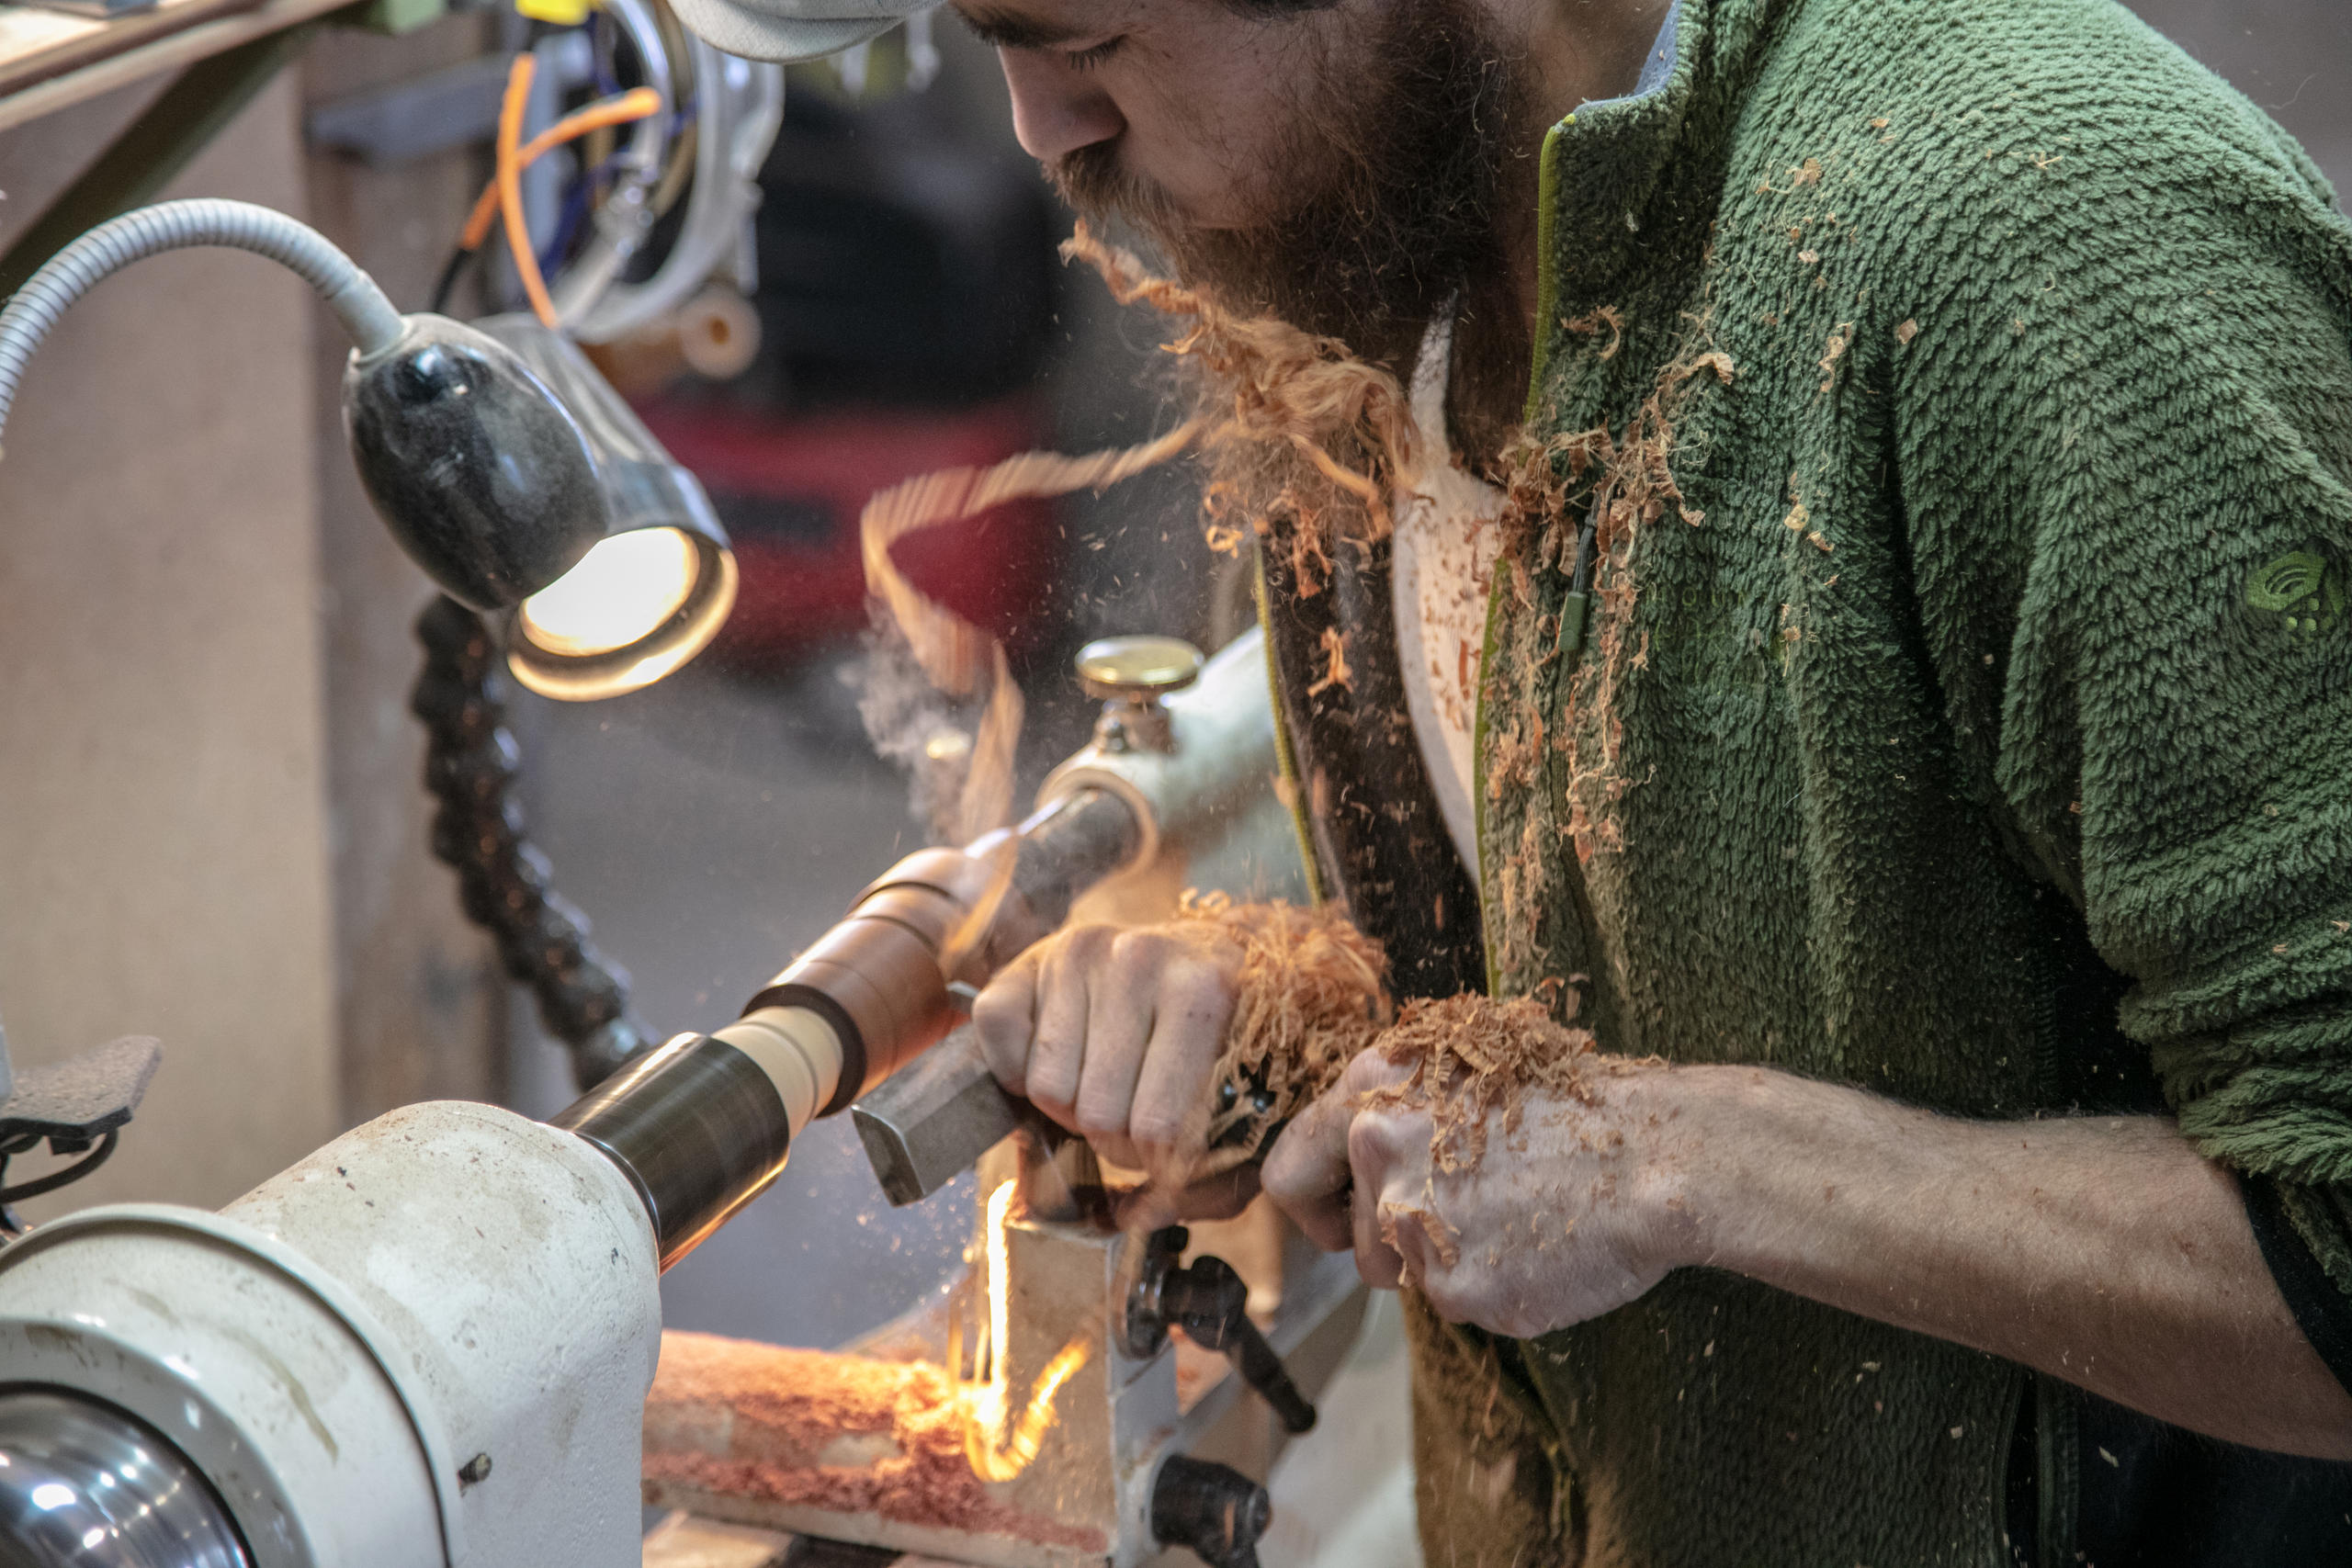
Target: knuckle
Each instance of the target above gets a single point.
(1137, 949)
(1281, 1184)
(1053, 1077)
(1156, 1126)
(1198, 988)
(997, 1013)
(1088, 942)
(1370, 1146)
(1099, 1117)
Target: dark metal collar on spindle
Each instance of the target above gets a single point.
(696, 1127)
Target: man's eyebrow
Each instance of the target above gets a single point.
(1007, 30)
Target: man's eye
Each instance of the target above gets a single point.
(1089, 57)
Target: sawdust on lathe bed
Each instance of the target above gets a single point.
(1472, 1056)
(810, 1429)
(1312, 993)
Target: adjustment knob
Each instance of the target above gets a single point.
(1137, 667)
(1130, 674)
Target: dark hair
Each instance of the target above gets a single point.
(1271, 10)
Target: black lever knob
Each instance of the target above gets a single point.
(1211, 1508)
(1210, 1304)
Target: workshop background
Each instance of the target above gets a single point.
(215, 829)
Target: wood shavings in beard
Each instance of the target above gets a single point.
(1288, 388)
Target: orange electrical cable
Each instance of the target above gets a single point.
(638, 103)
(510, 186)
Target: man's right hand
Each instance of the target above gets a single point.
(1113, 1033)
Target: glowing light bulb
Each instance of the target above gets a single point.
(623, 591)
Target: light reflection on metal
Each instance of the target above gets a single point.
(997, 1446)
(83, 1484)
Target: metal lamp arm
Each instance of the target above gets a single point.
(374, 324)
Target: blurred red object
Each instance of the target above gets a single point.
(789, 489)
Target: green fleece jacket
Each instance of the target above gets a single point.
(1978, 722)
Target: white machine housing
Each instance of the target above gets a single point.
(449, 1315)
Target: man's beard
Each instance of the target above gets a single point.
(1414, 142)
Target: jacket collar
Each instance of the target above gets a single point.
(1630, 185)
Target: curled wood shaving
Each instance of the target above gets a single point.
(956, 656)
(1338, 674)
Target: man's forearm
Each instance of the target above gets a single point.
(2106, 1252)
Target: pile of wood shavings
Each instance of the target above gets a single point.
(1471, 1054)
(1312, 993)
(807, 1430)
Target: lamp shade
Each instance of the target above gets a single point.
(658, 582)
(473, 463)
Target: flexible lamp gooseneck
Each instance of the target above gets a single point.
(504, 466)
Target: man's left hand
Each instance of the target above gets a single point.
(2103, 1250)
(1572, 1210)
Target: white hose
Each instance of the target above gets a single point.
(72, 272)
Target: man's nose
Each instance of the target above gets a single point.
(1055, 109)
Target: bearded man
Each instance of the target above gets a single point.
(1911, 703)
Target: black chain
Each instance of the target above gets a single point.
(469, 766)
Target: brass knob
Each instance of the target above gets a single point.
(1137, 667)
(1130, 674)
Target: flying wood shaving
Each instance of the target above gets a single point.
(1350, 420)
(973, 930)
(957, 657)
(1471, 1054)
(1312, 994)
